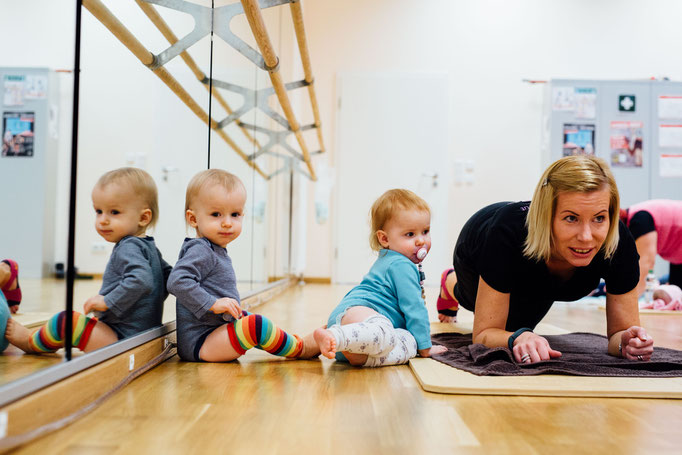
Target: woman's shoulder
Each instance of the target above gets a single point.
(508, 217)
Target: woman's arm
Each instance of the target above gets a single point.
(622, 328)
(490, 319)
(646, 247)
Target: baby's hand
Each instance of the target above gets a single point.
(95, 303)
(433, 350)
(227, 305)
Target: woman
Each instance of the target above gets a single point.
(656, 226)
(513, 260)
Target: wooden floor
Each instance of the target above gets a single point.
(265, 405)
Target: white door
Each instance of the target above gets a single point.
(392, 132)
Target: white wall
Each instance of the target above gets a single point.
(487, 47)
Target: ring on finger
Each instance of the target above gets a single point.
(639, 357)
(525, 358)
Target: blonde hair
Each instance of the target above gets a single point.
(140, 182)
(211, 177)
(575, 174)
(387, 205)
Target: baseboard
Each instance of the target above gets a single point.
(306, 279)
(263, 295)
(317, 279)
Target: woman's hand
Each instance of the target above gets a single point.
(95, 303)
(433, 350)
(531, 348)
(635, 344)
(227, 305)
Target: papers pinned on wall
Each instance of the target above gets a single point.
(669, 107)
(626, 142)
(36, 87)
(13, 90)
(670, 136)
(578, 139)
(670, 165)
(563, 98)
(585, 102)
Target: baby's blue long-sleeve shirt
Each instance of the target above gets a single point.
(392, 289)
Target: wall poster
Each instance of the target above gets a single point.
(626, 144)
(578, 139)
(18, 130)
(13, 90)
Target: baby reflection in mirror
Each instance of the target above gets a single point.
(134, 281)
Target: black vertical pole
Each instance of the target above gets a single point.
(210, 90)
(70, 269)
(291, 212)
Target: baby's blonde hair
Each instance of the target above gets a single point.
(387, 205)
(140, 182)
(208, 177)
(573, 174)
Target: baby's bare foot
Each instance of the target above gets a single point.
(310, 348)
(18, 335)
(326, 342)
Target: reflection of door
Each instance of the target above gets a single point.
(392, 132)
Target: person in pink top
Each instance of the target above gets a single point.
(656, 226)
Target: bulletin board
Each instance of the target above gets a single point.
(636, 126)
(29, 130)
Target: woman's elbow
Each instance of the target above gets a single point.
(478, 337)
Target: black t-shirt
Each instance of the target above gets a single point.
(641, 223)
(491, 246)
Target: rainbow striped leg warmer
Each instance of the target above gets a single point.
(257, 331)
(50, 337)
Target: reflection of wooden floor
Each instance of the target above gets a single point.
(14, 364)
(42, 299)
(263, 404)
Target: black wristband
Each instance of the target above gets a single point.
(515, 335)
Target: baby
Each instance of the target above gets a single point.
(666, 297)
(211, 325)
(383, 320)
(134, 281)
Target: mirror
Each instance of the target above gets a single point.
(129, 117)
(36, 109)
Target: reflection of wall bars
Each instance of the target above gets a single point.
(217, 20)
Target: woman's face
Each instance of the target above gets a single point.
(580, 225)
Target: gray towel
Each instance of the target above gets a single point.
(583, 354)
